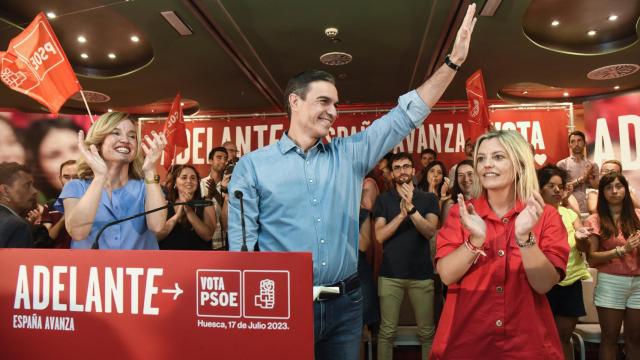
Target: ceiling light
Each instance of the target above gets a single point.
(111, 56)
(331, 32)
(555, 23)
(565, 94)
(613, 17)
(84, 56)
(51, 15)
(135, 38)
(591, 33)
(181, 104)
(110, 110)
(82, 39)
(616, 87)
(525, 92)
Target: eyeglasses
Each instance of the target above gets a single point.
(403, 167)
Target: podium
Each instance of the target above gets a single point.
(117, 304)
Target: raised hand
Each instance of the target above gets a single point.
(463, 38)
(92, 156)
(472, 221)
(632, 242)
(225, 180)
(529, 216)
(403, 209)
(445, 187)
(152, 151)
(35, 216)
(583, 233)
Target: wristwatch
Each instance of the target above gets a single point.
(531, 240)
(451, 64)
(412, 211)
(155, 180)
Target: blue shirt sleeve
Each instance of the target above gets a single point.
(369, 146)
(74, 189)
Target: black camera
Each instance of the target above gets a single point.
(229, 168)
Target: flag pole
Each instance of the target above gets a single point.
(86, 105)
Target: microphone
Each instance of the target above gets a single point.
(192, 203)
(238, 194)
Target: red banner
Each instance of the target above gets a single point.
(36, 65)
(613, 132)
(443, 131)
(175, 132)
(155, 304)
(478, 107)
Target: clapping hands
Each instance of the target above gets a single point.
(529, 216)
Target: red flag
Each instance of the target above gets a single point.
(36, 65)
(478, 109)
(175, 132)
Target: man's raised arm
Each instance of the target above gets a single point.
(434, 87)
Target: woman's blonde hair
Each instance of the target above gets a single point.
(519, 152)
(96, 135)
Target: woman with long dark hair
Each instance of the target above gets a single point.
(49, 144)
(187, 228)
(435, 181)
(613, 250)
(464, 176)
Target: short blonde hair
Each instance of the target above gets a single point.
(519, 152)
(96, 135)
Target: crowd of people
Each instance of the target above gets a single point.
(509, 243)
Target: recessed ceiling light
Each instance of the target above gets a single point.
(84, 56)
(616, 87)
(565, 94)
(181, 104)
(591, 33)
(51, 15)
(111, 56)
(525, 92)
(135, 38)
(555, 23)
(110, 110)
(82, 39)
(613, 17)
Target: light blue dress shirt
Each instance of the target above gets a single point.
(124, 202)
(309, 202)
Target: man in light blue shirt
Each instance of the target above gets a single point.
(302, 195)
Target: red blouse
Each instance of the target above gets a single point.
(493, 312)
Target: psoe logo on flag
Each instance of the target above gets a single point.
(39, 51)
(266, 294)
(219, 293)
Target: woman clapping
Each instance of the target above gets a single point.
(115, 181)
(187, 228)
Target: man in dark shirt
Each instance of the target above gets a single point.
(405, 219)
(17, 197)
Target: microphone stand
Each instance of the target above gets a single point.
(196, 203)
(238, 194)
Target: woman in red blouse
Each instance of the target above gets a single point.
(613, 249)
(499, 254)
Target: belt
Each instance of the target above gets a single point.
(346, 286)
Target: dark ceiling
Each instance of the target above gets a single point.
(242, 52)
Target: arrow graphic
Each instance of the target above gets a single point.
(176, 292)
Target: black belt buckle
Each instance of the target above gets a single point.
(328, 296)
(343, 286)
